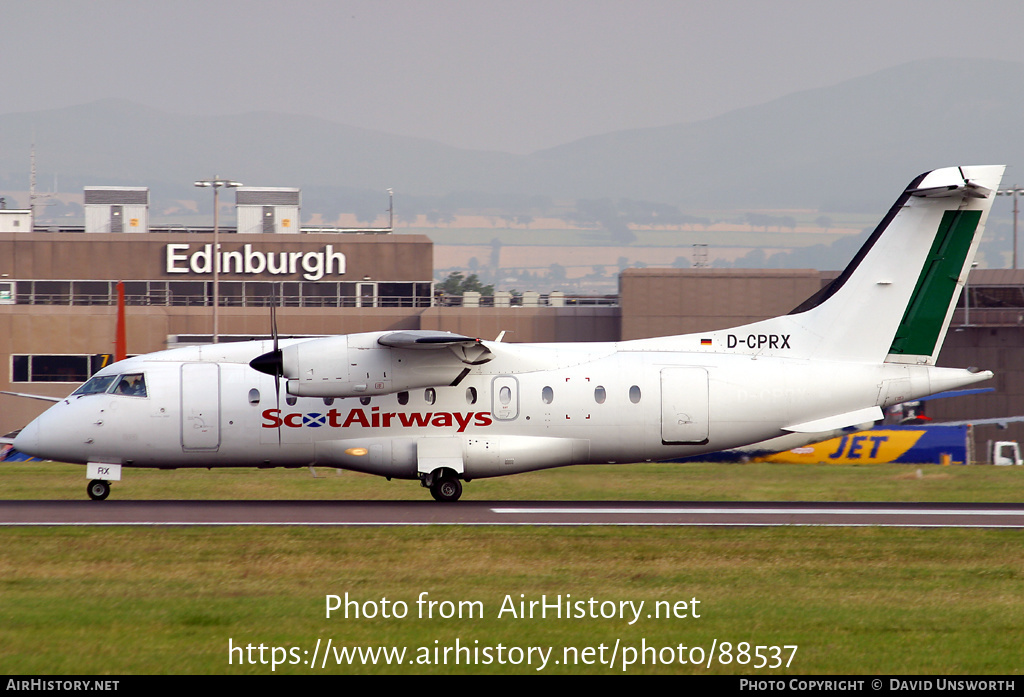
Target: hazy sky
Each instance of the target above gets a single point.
(516, 75)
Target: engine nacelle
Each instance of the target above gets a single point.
(356, 365)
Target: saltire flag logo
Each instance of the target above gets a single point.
(314, 420)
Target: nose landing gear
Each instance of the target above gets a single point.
(98, 489)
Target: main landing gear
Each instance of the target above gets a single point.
(444, 485)
(98, 489)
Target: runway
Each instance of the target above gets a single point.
(516, 513)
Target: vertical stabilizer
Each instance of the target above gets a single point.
(895, 300)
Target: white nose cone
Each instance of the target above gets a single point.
(28, 440)
(52, 436)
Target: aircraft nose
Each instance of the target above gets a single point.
(27, 441)
(48, 437)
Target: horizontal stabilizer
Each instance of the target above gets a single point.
(969, 189)
(957, 393)
(829, 423)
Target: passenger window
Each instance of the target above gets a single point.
(403, 398)
(634, 394)
(429, 395)
(254, 396)
(290, 401)
(328, 401)
(547, 395)
(505, 395)
(365, 401)
(600, 395)
(471, 395)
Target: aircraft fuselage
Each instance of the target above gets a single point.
(575, 404)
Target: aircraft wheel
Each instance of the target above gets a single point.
(98, 489)
(446, 489)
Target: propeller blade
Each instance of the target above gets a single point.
(273, 318)
(279, 366)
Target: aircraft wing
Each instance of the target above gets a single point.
(467, 349)
(32, 396)
(374, 363)
(982, 422)
(424, 339)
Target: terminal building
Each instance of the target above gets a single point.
(59, 294)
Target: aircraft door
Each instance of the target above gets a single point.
(684, 405)
(505, 398)
(200, 406)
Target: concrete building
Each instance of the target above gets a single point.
(15, 220)
(116, 209)
(267, 210)
(62, 289)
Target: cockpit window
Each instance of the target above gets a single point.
(100, 383)
(132, 385)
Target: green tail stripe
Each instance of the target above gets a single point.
(926, 313)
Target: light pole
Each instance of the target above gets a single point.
(1014, 191)
(216, 183)
(391, 210)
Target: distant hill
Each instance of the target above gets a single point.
(848, 147)
(119, 141)
(836, 148)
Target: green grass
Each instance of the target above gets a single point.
(657, 481)
(855, 600)
(168, 601)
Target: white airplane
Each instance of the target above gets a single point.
(444, 408)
